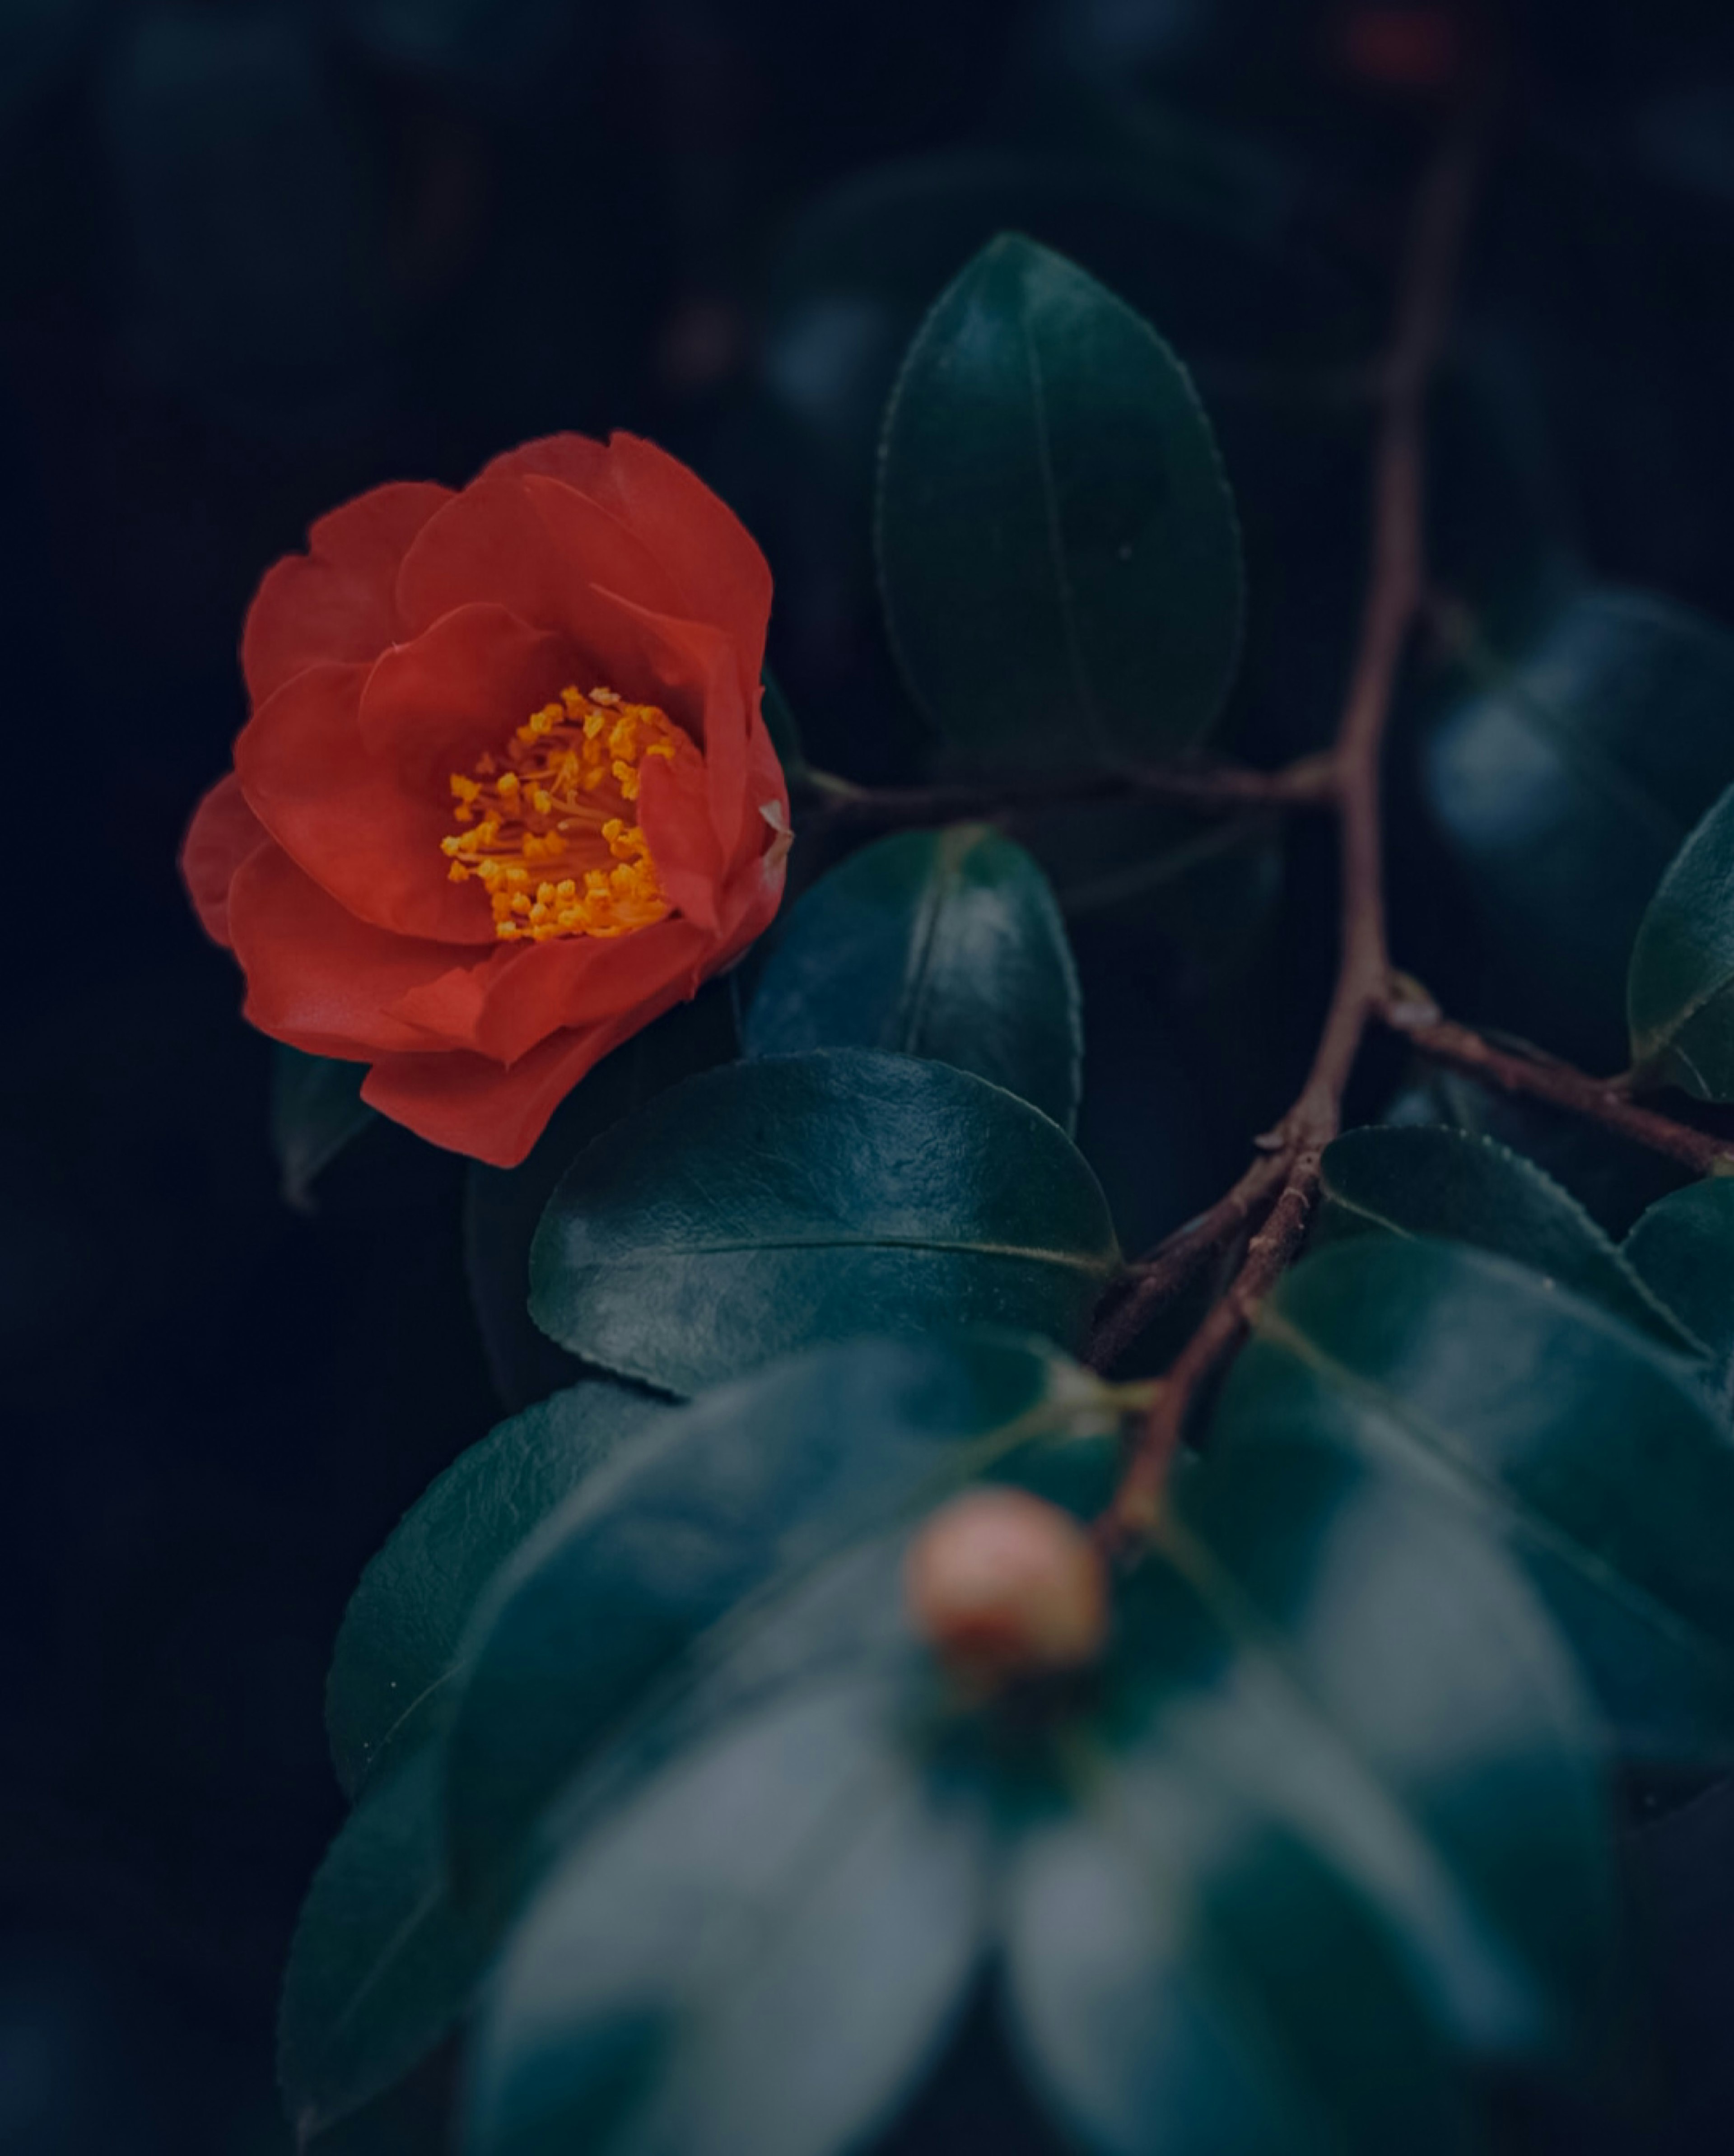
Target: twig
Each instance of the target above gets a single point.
(1217, 789)
(1395, 596)
(1540, 1078)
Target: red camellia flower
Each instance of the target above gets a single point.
(506, 793)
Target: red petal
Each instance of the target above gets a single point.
(431, 707)
(317, 977)
(352, 820)
(719, 574)
(338, 600)
(494, 542)
(472, 1106)
(503, 1009)
(573, 458)
(223, 833)
(707, 555)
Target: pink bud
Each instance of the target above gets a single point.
(1003, 1585)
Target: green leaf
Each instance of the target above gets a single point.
(1348, 1822)
(383, 1963)
(392, 1667)
(760, 1208)
(1683, 1248)
(1420, 1181)
(945, 944)
(1587, 1444)
(761, 1954)
(751, 1479)
(1058, 547)
(1680, 990)
(1328, 1830)
(1564, 779)
(316, 1109)
(502, 1206)
(785, 732)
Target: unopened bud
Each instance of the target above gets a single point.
(1003, 1585)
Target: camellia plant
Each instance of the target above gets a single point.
(893, 1618)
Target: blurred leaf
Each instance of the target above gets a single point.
(1058, 545)
(761, 1954)
(1588, 1445)
(1342, 1821)
(383, 1963)
(1683, 1248)
(1680, 990)
(1330, 1829)
(316, 1109)
(945, 944)
(764, 1207)
(1564, 779)
(500, 46)
(503, 1205)
(1467, 1189)
(751, 1481)
(396, 1650)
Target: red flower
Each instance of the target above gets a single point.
(506, 795)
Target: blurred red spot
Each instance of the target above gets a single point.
(1401, 48)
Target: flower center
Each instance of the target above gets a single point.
(564, 793)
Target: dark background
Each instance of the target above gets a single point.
(256, 257)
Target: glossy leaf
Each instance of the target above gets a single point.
(392, 1665)
(764, 1207)
(1564, 779)
(1680, 992)
(1419, 1181)
(753, 1479)
(382, 1962)
(1587, 1444)
(316, 1110)
(761, 1953)
(502, 1206)
(1683, 1248)
(1057, 547)
(946, 944)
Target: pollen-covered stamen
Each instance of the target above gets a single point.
(569, 773)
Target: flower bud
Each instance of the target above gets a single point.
(1003, 1585)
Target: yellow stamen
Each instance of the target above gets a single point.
(543, 805)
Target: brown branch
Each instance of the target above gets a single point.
(1537, 1077)
(1395, 595)
(1215, 788)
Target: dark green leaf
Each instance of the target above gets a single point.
(1058, 547)
(1680, 992)
(1683, 1247)
(1587, 1443)
(1565, 778)
(780, 723)
(1419, 1181)
(503, 1205)
(760, 1208)
(760, 1955)
(393, 1659)
(945, 944)
(317, 1108)
(1333, 1824)
(1612, 1178)
(747, 1482)
(383, 1963)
